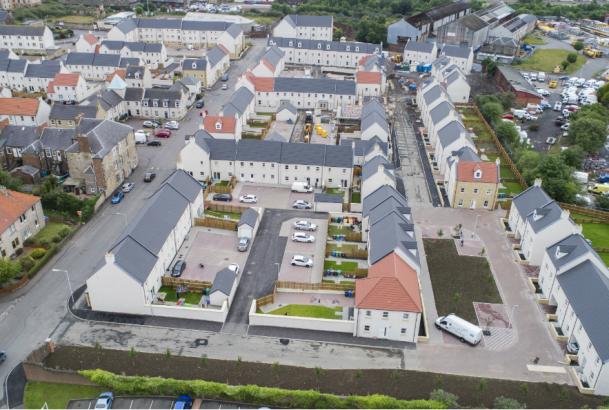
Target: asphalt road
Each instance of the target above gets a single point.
(28, 316)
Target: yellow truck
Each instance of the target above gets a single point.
(599, 189)
(593, 52)
(553, 84)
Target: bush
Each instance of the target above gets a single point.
(38, 253)
(56, 239)
(29, 242)
(572, 57)
(251, 394)
(27, 263)
(19, 251)
(64, 232)
(507, 403)
(44, 243)
(448, 399)
(534, 127)
(41, 262)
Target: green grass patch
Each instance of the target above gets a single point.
(548, 58)
(534, 40)
(506, 172)
(74, 19)
(56, 395)
(605, 257)
(261, 18)
(511, 187)
(341, 282)
(221, 183)
(356, 197)
(220, 214)
(338, 230)
(334, 191)
(597, 233)
(50, 230)
(458, 281)
(577, 216)
(192, 298)
(316, 311)
(345, 266)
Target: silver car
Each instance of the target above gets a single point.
(305, 226)
(244, 243)
(303, 237)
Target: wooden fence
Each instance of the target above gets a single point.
(594, 213)
(265, 300)
(228, 224)
(314, 286)
(225, 207)
(225, 189)
(193, 285)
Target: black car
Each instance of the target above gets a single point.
(149, 176)
(560, 121)
(200, 103)
(154, 143)
(2, 357)
(178, 269)
(223, 197)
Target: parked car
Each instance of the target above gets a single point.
(2, 356)
(301, 204)
(154, 143)
(244, 243)
(140, 136)
(224, 86)
(200, 103)
(558, 106)
(172, 125)
(303, 225)
(462, 329)
(183, 402)
(149, 176)
(104, 401)
(560, 120)
(151, 124)
(572, 347)
(162, 133)
(178, 268)
(127, 187)
(117, 197)
(248, 199)
(234, 267)
(299, 260)
(550, 140)
(222, 197)
(565, 127)
(303, 237)
(224, 77)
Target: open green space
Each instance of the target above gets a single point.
(50, 230)
(548, 58)
(597, 233)
(192, 298)
(534, 40)
(74, 19)
(221, 214)
(316, 311)
(56, 395)
(345, 266)
(221, 183)
(458, 281)
(334, 191)
(511, 187)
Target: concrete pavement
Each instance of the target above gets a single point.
(28, 316)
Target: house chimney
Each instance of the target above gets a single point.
(537, 182)
(109, 257)
(83, 143)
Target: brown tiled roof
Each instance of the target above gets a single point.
(70, 79)
(90, 38)
(227, 124)
(12, 205)
(467, 169)
(19, 106)
(368, 77)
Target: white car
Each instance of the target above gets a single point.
(172, 125)
(248, 199)
(299, 260)
(234, 267)
(305, 225)
(550, 140)
(565, 127)
(127, 187)
(543, 92)
(225, 86)
(301, 204)
(530, 117)
(303, 237)
(558, 106)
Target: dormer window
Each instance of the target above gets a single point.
(218, 125)
(165, 103)
(177, 104)
(299, 44)
(145, 103)
(155, 103)
(356, 49)
(559, 253)
(348, 48)
(194, 66)
(478, 174)
(272, 43)
(291, 44)
(319, 46)
(376, 50)
(327, 46)
(137, 75)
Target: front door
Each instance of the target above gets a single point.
(383, 332)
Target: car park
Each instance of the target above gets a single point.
(178, 268)
(243, 244)
(151, 124)
(104, 401)
(149, 176)
(154, 143)
(127, 187)
(300, 260)
(117, 197)
(248, 199)
(162, 133)
(222, 197)
(462, 329)
(172, 125)
(303, 237)
(301, 204)
(141, 136)
(303, 225)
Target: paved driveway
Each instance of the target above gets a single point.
(315, 251)
(269, 196)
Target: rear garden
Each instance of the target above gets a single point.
(319, 312)
(457, 280)
(346, 256)
(597, 231)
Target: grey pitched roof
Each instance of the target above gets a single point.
(224, 281)
(371, 167)
(314, 85)
(275, 136)
(441, 111)
(389, 205)
(273, 55)
(363, 147)
(373, 105)
(222, 149)
(531, 198)
(456, 51)
(432, 94)
(473, 22)
(127, 25)
(248, 217)
(133, 94)
(587, 290)
(194, 64)
(57, 139)
(185, 184)
(160, 94)
(19, 136)
(374, 118)
(215, 55)
(338, 156)
(46, 69)
(129, 61)
(201, 137)
(466, 154)
(286, 105)
(27, 169)
(328, 198)
(194, 25)
(252, 150)
(108, 99)
(132, 71)
(234, 30)
(31, 31)
(305, 154)
(70, 112)
(390, 233)
(419, 46)
(569, 249)
(93, 59)
(134, 258)
(450, 133)
(238, 102)
(138, 46)
(516, 80)
(544, 216)
(103, 135)
(310, 21)
(324, 45)
(379, 196)
(13, 66)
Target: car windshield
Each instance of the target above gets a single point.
(101, 404)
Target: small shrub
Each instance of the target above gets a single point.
(502, 402)
(29, 242)
(64, 232)
(168, 353)
(132, 352)
(56, 239)
(44, 243)
(38, 253)
(440, 232)
(359, 374)
(19, 251)
(27, 263)
(204, 360)
(449, 399)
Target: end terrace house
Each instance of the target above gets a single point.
(305, 27)
(24, 111)
(21, 217)
(131, 275)
(103, 156)
(26, 38)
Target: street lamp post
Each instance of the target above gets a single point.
(68, 280)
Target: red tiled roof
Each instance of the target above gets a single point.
(119, 71)
(19, 106)
(70, 79)
(368, 77)
(364, 59)
(90, 38)
(467, 169)
(12, 205)
(391, 285)
(269, 65)
(227, 124)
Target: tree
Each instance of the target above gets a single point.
(564, 64)
(598, 111)
(8, 181)
(573, 156)
(8, 270)
(139, 9)
(556, 177)
(338, 33)
(578, 45)
(602, 202)
(502, 402)
(449, 399)
(588, 132)
(490, 66)
(49, 184)
(572, 57)
(507, 133)
(603, 94)
(491, 111)
(527, 163)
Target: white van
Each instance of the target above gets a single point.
(465, 331)
(141, 137)
(301, 187)
(541, 77)
(519, 113)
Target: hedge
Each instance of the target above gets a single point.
(251, 394)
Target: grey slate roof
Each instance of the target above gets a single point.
(93, 59)
(374, 118)
(390, 233)
(324, 45)
(138, 46)
(286, 105)
(305, 154)
(252, 150)
(13, 66)
(371, 167)
(132, 71)
(466, 154)
(338, 156)
(314, 85)
(185, 184)
(441, 111)
(103, 135)
(275, 136)
(273, 55)
(30, 31)
(133, 94)
(432, 94)
(234, 30)
(222, 150)
(529, 199)
(328, 198)
(373, 105)
(450, 133)
(45, 69)
(194, 64)
(129, 61)
(70, 112)
(248, 217)
(386, 207)
(309, 21)
(215, 55)
(419, 46)
(161, 94)
(19, 136)
(379, 196)
(363, 147)
(238, 102)
(108, 99)
(223, 282)
(57, 139)
(570, 248)
(587, 290)
(456, 51)
(544, 216)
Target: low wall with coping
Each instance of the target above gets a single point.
(197, 313)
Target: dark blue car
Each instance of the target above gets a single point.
(117, 197)
(183, 402)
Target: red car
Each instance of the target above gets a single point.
(162, 133)
(507, 116)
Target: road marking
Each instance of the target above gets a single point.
(546, 369)
(151, 403)
(130, 404)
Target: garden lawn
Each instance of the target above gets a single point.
(511, 187)
(548, 58)
(50, 230)
(345, 266)
(221, 183)
(56, 395)
(597, 233)
(338, 230)
(192, 298)
(220, 214)
(605, 257)
(534, 40)
(458, 281)
(316, 311)
(356, 197)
